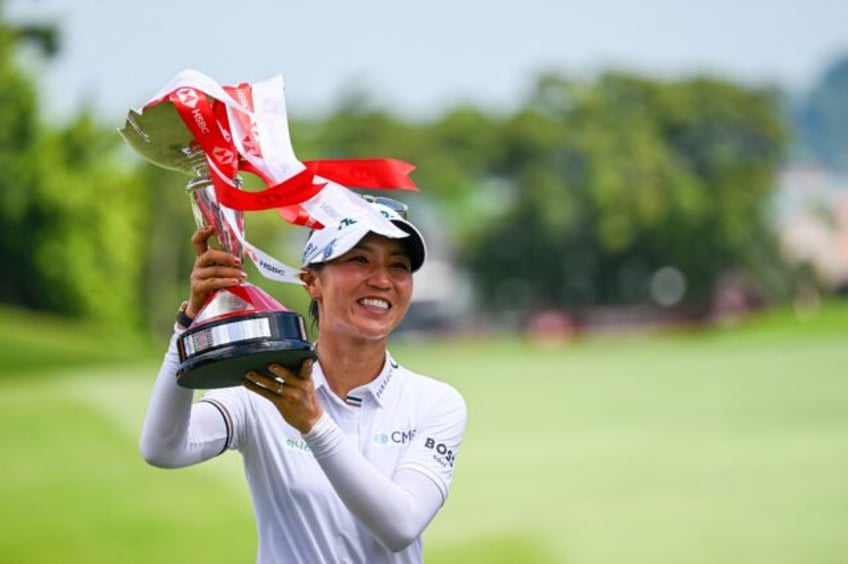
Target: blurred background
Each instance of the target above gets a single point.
(637, 217)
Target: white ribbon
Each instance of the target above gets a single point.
(268, 266)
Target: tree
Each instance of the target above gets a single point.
(614, 179)
(823, 120)
(19, 170)
(87, 226)
(72, 217)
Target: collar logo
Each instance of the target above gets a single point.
(385, 383)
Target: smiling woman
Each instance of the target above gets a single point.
(364, 293)
(325, 487)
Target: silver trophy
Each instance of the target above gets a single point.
(239, 328)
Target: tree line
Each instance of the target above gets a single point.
(577, 199)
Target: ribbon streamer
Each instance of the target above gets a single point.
(260, 145)
(244, 129)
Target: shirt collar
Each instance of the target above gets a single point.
(378, 388)
(318, 378)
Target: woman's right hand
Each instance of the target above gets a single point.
(213, 269)
(293, 393)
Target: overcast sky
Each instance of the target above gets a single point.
(417, 58)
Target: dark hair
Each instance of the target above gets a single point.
(313, 313)
(313, 303)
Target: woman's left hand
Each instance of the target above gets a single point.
(292, 393)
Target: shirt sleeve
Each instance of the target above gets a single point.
(395, 510)
(434, 449)
(177, 432)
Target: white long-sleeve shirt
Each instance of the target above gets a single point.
(361, 486)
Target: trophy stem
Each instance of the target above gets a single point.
(206, 209)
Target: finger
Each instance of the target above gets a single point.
(202, 289)
(275, 386)
(200, 239)
(216, 257)
(261, 390)
(305, 372)
(210, 272)
(258, 378)
(281, 372)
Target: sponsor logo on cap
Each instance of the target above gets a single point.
(346, 222)
(307, 252)
(328, 250)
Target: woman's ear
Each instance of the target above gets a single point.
(308, 278)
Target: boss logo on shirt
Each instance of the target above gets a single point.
(396, 437)
(443, 455)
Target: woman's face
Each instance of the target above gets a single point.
(365, 292)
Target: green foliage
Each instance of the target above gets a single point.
(824, 116)
(580, 196)
(71, 218)
(614, 179)
(86, 226)
(18, 172)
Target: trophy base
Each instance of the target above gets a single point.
(219, 353)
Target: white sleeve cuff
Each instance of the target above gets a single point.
(325, 438)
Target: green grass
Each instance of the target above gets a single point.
(706, 447)
(75, 490)
(40, 343)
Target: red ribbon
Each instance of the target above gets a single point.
(290, 192)
(209, 124)
(212, 136)
(383, 174)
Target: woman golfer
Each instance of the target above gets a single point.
(351, 457)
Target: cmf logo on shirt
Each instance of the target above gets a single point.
(395, 437)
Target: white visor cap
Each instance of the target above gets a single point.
(331, 242)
